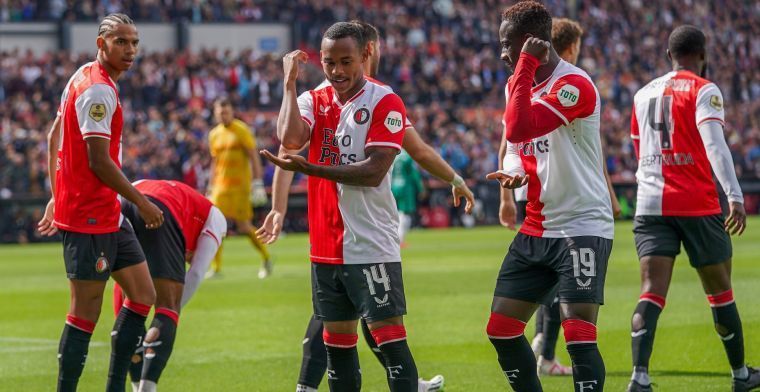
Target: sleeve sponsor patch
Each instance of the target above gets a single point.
(97, 111)
(568, 95)
(394, 122)
(716, 103)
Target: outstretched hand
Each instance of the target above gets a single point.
(271, 228)
(507, 181)
(288, 162)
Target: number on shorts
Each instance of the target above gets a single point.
(377, 274)
(584, 262)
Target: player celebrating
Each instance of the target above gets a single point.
(356, 127)
(677, 130)
(193, 230)
(233, 162)
(314, 363)
(97, 243)
(553, 147)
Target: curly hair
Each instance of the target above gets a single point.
(565, 32)
(529, 17)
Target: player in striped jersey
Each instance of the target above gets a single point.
(677, 129)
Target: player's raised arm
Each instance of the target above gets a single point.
(571, 97)
(426, 157)
(292, 129)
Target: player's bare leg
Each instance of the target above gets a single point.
(129, 327)
(84, 310)
(390, 336)
(656, 273)
(506, 330)
(343, 373)
(266, 264)
(579, 324)
(716, 281)
(159, 340)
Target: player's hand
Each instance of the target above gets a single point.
(616, 210)
(151, 215)
(258, 193)
(508, 214)
(45, 226)
(463, 191)
(538, 48)
(270, 230)
(507, 181)
(290, 65)
(289, 162)
(737, 219)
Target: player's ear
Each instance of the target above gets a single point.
(100, 42)
(670, 56)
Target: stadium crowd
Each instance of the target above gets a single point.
(440, 55)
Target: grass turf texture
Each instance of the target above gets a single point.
(243, 334)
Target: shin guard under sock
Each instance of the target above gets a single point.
(515, 356)
(729, 326)
(72, 352)
(588, 366)
(343, 373)
(125, 338)
(399, 363)
(159, 343)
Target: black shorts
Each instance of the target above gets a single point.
(704, 238)
(537, 269)
(164, 247)
(351, 291)
(95, 256)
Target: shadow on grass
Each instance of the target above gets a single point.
(675, 373)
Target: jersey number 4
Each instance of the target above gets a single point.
(660, 109)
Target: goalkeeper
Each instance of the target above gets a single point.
(234, 162)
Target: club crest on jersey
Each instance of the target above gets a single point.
(101, 265)
(716, 103)
(97, 111)
(361, 116)
(393, 121)
(568, 95)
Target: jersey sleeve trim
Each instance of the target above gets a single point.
(383, 144)
(555, 111)
(716, 119)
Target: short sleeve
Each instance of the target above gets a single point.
(387, 126)
(306, 107)
(709, 104)
(571, 97)
(95, 108)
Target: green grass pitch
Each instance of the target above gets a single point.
(243, 334)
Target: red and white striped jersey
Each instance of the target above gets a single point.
(352, 224)
(567, 193)
(674, 176)
(89, 107)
